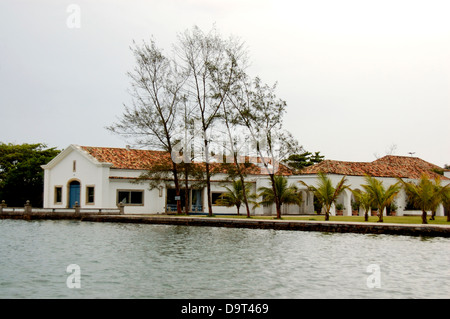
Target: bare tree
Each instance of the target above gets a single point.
(156, 95)
(207, 76)
(213, 65)
(261, 112)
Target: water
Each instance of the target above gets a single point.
(160, 261)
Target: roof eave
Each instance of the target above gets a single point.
(70, 149)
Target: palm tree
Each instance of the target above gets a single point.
(234, 196)
(286, 194)
(380, 196)
(442, 197)
(446, 201)
(325, 192)
(425, 194)
(437, 199)
(364, 200)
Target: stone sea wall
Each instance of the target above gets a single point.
(293, 225)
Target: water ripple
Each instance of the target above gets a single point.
(157, 261)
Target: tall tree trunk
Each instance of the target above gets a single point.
(177, 186)
(208, 190)
(186, 190)
(208, 173)
(244, 194)
(175, 179)
(277, 200)
(244, 189)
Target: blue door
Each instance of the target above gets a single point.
(74, 193)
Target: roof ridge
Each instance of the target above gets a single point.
(121, 149)
(343, 161)
(388, 166)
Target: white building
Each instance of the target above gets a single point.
(101, 177)
(387, 169)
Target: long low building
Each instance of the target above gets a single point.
(388, 169)
(103, 177)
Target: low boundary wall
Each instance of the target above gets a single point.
(29, 212)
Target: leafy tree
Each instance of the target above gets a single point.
(21, 175)
(325, 192)
(380, 196)
(305, 159)
(286, 194)
(234, 196)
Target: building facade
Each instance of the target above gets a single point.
(387, 169)
(101, 177)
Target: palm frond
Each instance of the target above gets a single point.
(363, 198)
(425, 194)
(234, 196)
(287, 194)
(381, 197)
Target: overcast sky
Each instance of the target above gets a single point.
(359, 76)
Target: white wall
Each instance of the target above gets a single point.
(354, 182)
(86, 172)
(152, 202)
(217, 185)
(307, 206)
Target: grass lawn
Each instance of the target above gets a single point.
(442, 220)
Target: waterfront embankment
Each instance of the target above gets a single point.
(254, 222)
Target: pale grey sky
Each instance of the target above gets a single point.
(358, 76)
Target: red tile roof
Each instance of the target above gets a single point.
(387, 166)
(123, 158)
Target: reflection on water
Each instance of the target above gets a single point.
(159, 261)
